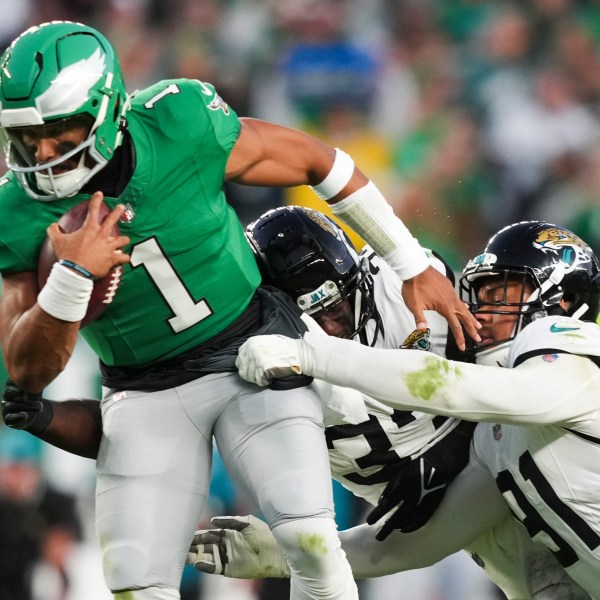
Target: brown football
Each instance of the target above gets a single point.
(105, 288)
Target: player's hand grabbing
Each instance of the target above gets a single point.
(21, 410)
(263, 358)
(430, 290)
(418, 486)
(239, 547)
(410, 498)
(94, 246)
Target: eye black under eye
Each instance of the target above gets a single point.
(65, 147)
(28, 137)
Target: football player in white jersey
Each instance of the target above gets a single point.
(536, 291)
(356, 296)
(410, 456)
(382, 450)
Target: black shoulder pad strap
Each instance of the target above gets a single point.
(594, 359)
(585, 436)
(540, 351)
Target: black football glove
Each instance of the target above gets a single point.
(21, 410)
(416, 490)
(419, 485)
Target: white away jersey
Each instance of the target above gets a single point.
(364, 456)
(549, 474)
(398, 321)
(541, 437)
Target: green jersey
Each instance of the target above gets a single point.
(192, 273)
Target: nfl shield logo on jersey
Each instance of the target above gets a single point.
(128, 214)
(497, 431)
(549, 357)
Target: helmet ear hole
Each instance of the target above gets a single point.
(117, 110)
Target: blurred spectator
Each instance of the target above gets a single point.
(324, 83)
(317, 64)
(535, 144)
(15, 18)
(497, 62)
(138, 42)
(575, 201)
(576, 51)
(444, 185)
(39, 526)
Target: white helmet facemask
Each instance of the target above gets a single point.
(65, 184)
(22, 161)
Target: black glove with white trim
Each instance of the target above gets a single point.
(415, 491)
(418, 486)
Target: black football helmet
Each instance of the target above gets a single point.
(307, 255)
(559, 264)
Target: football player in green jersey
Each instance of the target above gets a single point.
(190, 295)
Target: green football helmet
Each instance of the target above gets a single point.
(60, 84)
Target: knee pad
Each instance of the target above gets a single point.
(125, 566)
(150, 593)
(318, 566)
(311, 543)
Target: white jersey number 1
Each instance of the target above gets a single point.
(186, 311)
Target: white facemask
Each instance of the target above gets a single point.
(64, 185)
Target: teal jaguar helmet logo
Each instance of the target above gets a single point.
(570, 249)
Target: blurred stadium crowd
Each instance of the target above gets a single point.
(469, 115)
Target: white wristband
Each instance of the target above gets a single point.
(368, 213)
(66, 294)
(340, 174)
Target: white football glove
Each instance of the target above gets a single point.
(240, 547)
(263, 358)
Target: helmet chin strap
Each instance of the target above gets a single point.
(555, 278)
(580, 311)
(557, 275)
(357, 307)
(65, 184)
